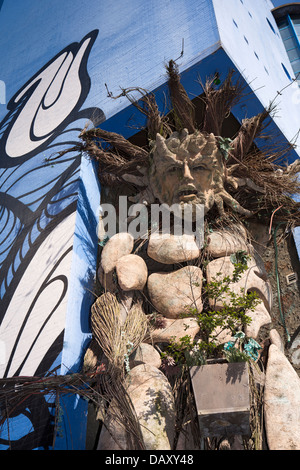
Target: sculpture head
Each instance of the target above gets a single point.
(187, 169)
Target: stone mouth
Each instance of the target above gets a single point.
(187, 194)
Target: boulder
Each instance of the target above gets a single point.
(132, 272)
(260, 317)
(253, 279)
(175, 329)
(281, 402)
(152, 398)
(295, 351)
(118, 245)
(226, 243)
(222, 335)
(175, 293)
(172, 249)
(276, 339)
(145, 354)
(153, 401)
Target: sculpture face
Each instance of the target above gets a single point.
(187, 169)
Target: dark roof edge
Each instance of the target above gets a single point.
(286, 9)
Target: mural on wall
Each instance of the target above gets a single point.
(38, 197)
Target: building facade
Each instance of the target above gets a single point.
(288, 21)
(62, 65)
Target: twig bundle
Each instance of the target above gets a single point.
(115, 339)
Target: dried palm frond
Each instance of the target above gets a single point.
(115, 154)
(117, 142)
(99, 387)
(218, 102)
(147, 105)
(248, 132)
(184, 110)
(280, 184)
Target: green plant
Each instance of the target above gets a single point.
(235, 355)
(212, 322)
(177, 350)
(241, 348)
(233, 314)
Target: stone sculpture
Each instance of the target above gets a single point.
(188, 168)
(193, 175)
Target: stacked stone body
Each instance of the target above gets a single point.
(173, 293)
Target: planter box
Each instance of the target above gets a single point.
(222, 397)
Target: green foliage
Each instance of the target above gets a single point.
(178, 349)
(232, 316)
(234, 306)
(225, 145)
(235, 355)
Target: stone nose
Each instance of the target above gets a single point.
(187, 172)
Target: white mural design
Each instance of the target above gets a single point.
(38, 204)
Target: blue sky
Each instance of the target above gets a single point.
(277, 3)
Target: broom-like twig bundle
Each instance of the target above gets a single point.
(117, 340)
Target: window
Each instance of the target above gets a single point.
(289, 28)
(296, 24)
(282, 23)
(286, 32)
(290, 43)
(293, 54)
(296, 66)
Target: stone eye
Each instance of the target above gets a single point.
(172, 169)
(199, 168)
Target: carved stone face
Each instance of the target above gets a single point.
(187, 169)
